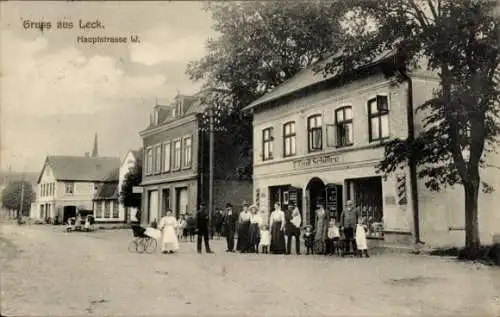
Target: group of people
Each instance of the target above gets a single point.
(259, 232)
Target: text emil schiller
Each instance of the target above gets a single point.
(316, 161)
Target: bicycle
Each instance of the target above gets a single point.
(142, 243)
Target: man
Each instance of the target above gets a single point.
(348, 221)
(230, 220)
(293, 228)
(202, 222)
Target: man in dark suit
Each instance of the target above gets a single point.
(230, 219)
(202, 222)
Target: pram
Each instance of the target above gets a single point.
(139, 232)
(145, 239)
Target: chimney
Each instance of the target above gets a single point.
(95, 148)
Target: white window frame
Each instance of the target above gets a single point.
(310, 132)
(149, 160)
(177, 157)
(342, 122)
(157, 160)
(267, 143)
(291, 138)
(167, 156)
(68, 185)
(370, 116)
(187, 161)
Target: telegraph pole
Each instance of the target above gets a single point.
(211, 168)
(21, 204)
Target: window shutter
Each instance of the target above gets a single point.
(330, 135)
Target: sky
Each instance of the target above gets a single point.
(56, 92)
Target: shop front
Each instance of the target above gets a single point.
(330, 180)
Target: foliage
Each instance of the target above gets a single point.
(261, 44)
(132, 178)
(11, 196)
(459, 42)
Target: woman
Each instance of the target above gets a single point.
(243, 229)
(167, 225)
(277, 225)
(255, 222)
(321, 230)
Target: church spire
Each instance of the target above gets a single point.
(94, 149)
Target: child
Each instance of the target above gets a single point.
(361, 243)
(332, 238)
(181, 226)
(265, 238)
(309, 239)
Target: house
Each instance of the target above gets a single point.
(175, 172)
(105, 203)
(318, 139)
(130, 159)
(67, 185)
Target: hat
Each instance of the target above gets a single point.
(228, 205)
(253, 207)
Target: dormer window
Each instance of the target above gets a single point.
(179, 107)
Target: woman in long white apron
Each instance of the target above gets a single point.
(170, 243)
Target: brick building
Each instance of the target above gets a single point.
(175, 169)
(318, 139)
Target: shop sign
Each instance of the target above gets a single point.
(324, 160)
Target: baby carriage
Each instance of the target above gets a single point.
(145, 239)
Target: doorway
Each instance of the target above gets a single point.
(68, 212)
(153, 206)
(165, 195)
(316, 196)
(181, 201)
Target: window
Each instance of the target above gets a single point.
(115, 209)
(187, 152)
(343, 122)
(166, 157)
(267, 144)
(107, 208)
(315, 133)
(378, 118)
(149, 161)
(157, 159)
(98, 209)
(289, 139)
(155, 117)
(177, 154)
(179, 108)
(70, 187)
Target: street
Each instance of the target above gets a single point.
(46, 271)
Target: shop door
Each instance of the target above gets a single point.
(182, 201)
(317, 193)
(153, 206)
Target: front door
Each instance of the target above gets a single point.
(182, 201)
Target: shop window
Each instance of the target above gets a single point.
(343, 123)
(166, 157)
(187, 150)
(378, 118)
(267, 144)
(367, 196)
(289, 139)
(315, 133)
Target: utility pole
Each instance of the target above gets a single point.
(211, 168)
(20, 209)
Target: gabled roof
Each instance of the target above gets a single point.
(107, 191)
(137, 154)
(82, 168)
(307, 78)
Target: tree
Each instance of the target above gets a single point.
(261, 44)
(11, 196)
(133, 178)
(459, 41)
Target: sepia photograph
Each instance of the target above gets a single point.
(250, 158)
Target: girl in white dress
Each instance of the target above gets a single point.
(361, 243)
(167, 225)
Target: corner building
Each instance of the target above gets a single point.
(318, 140)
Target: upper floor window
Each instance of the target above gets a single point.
(70, 188)
(155, 117)
(315, 133)
(157, 159)
(187, 152)
(343, 122)
(149, 161)
(177, 154)
(289, 139)
(378, 118)
(179, 108)
(267, 144)
(166, 156)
